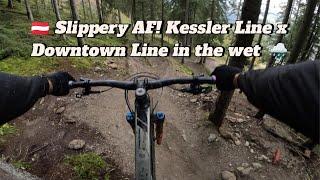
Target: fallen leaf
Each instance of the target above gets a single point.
(276, 157)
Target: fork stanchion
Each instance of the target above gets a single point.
(159, 120)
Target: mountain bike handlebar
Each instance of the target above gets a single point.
(133, 85)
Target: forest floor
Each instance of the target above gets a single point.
(192, 146)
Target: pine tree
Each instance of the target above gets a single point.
(99, 10)
(260, 35)
(75, 17)
(303, 31)
(28, 9)
(10, 4)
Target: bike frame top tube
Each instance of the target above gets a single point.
(144, 154)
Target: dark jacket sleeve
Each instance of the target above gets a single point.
(288, 93)
(18, 94)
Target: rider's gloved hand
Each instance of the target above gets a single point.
(226, 77)
(59, 83)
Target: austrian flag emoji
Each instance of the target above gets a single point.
(40, 28)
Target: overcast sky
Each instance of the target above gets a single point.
(274, 10)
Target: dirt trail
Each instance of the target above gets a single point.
(106, 112)
(185, 152)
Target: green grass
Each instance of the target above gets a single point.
(27, 66)
(21, 165)
(185, 69)
(87, 166)
(16, 41)
(7, 129)
(181, 67)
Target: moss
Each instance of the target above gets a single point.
(21, 165)
(28, 66)
(185, 69)
(87, 165)
(106, 177)
(181, 67)
(7, 129)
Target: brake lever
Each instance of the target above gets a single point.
(86, 93)
(206, 90)
(195, 90)
(87, 89)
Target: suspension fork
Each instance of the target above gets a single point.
(144, 133)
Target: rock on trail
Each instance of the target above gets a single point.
(227, 175)
(76, 144)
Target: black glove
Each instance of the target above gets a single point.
(59, 83)
(224, 77)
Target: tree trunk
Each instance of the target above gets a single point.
(311, 36)
(90, 9)
(239, 8)
(52, 5)
(311, 48)
(142, 11)
(222, 104)
(133, 12)
(191, 44)
(51, 10)
(303, 31)
(237, 18)
(212, 10)
(84, 10)
(75, 17)
(37, 6)
(99, 11)
(133, 15)
(285, 18)
(318, 54)
(119, 16)
(295, 22)
(204, 59)
(250, 11)
(28, 9)
(103, 10)
(186, 20)
(152, 16)
(260, 35)
(316, 34)
(44, 4)
(10, 4)
(57, 12)
(162, 19)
